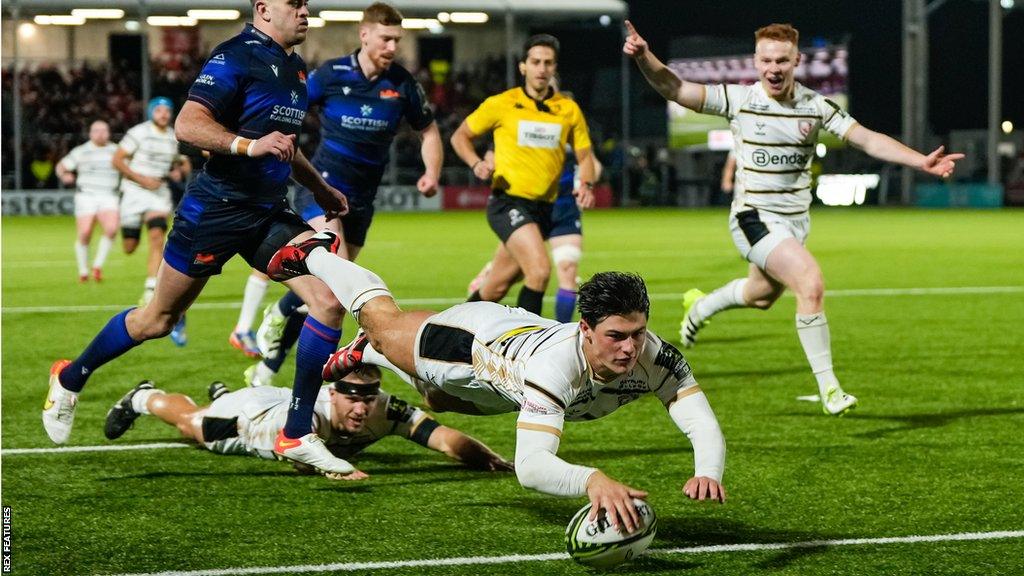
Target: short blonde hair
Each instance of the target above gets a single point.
(780, 32)
(382, 13)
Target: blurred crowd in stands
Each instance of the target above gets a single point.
(59, 101)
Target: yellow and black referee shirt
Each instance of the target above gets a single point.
(529, 140)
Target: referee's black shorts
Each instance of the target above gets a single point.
(506, 214)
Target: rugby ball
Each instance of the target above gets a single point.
(597, 544)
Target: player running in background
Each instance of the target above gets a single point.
(566, 247)
(348, 416)
(485, 358)
(775, 123)
(144, 158)
(532, 125)
(245, 108)
(88, 167)
(363, 98)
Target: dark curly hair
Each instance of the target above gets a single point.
(612, 294)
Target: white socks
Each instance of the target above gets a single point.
(102, 250)
(255, 289)
(726, 297)
(352, 284)
(371, 356)
(812, 329)
(82, 257)
(141, 398)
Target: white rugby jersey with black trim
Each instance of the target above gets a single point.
(265, 410)
(94, 172)
(526, 362)
(774, 142)
(152, 152)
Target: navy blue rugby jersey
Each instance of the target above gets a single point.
(252, 87)
(360, 117)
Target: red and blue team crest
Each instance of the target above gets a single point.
(302, 76)
(388, 93)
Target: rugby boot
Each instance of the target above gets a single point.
(290, 261)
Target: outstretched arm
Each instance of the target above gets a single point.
(878, 145)
(467, 450)
(659, 76)
(693, 415)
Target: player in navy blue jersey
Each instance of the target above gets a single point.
(362, 98)
(246, 108)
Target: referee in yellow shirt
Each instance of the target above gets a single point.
(531, 126)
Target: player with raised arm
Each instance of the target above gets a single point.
(349, 416)
(485, 358)
(363, 97)
(532, 125)
(88, 167)
(775, 124)
(245, 108)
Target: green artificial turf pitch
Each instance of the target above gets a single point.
(935, 447)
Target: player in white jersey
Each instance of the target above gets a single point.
(88, 167)
(775, 124)
(145, 157)
(348, 417)
(484, 358)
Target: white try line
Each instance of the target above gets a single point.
(954, 290)
(101, 448)
(516, 558)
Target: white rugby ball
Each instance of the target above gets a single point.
(597, 544)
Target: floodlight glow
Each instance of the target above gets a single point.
(1007, 126)
(26, 30)
(341, 15)
(315, 22)
(59, 20)
(469, 17)
(845, 189)
(170, 21)
(1007, 4)
(99, 13)
(420, 23)
(214, 14)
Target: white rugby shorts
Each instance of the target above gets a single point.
(88, 204)
(136, 202)
(444, 350)
(757, 232)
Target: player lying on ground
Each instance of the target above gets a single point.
(484, 358)
(775, 125)
(349, 416)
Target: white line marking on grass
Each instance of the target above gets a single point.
(480, 560)
(101, 448)
(453, 301)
